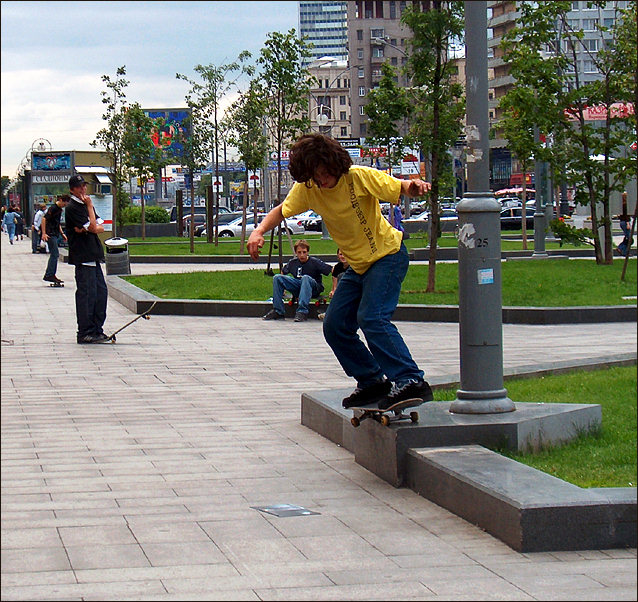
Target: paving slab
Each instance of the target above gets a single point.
(214, 403)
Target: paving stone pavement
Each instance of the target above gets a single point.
(129, 470)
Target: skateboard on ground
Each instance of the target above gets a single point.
(56, 284)
(392, 414)
(144, 314)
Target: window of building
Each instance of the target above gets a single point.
(589, 24)
(591, 45)
(380, 9)
(359, 34)
(377, 33)
(342, 100)
(589, 66)
(368, 9)
(361, 72)
(362, 111)
(344, 132)
(342, 116)
(377, 52)
(575, 5)
(608, 22)
(393, 10)
(363, 130)
(362, 91)
(359, 53)
(394, 60)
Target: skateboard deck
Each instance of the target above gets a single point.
(392, 414)
(56, 284)
(144, 314)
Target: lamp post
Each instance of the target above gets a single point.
(480, 303)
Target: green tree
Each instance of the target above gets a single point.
(243, 121)
(544, 52)
(285, 84)
(387, 110)
(206, 95)
(111, 136)
(6, 182)
(140, 153)
(436, 98)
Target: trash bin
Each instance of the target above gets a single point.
(117, 259)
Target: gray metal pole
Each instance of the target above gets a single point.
(480, 303)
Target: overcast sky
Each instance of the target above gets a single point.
(55, 53)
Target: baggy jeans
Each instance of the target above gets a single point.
(367, 301)
(90, 299)
(303, 288)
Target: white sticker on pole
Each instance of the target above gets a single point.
(486, 276)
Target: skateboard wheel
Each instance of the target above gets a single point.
(355, 421)
(414, 416)
(385, 420)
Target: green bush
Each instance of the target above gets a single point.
(153, 214)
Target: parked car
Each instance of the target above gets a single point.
(199, 210)
(223, 219)
(309, 220)
(234, 227)
(200, 219)
(448, 221)
(511, 218)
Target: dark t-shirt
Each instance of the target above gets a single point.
(53, 216)
(83, 246)
(338, 270)
(314, 268)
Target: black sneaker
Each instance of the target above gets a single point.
(410, 390)
(56, 279)
(301, 316)
(89, 339)
(50, 279)
(367, 396)
(273, 315)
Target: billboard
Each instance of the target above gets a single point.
(173, 130)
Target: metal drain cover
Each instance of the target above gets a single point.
(283, 510)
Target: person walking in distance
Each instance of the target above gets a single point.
(51, 233)
(347, 197)
(86, 253)
(36, 233)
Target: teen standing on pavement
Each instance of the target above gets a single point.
(51, 232)
(347, 197)
(86, 254)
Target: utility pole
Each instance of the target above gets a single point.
(480, 302)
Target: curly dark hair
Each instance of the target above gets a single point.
(316, 150)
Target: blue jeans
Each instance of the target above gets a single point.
(367, 301)
(11, 231)
(52, 265)
(303, 288)
(90, 299)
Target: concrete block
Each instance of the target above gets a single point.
(528, 509)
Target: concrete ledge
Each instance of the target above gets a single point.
(529, 510)
(382, 450)
(129, 295)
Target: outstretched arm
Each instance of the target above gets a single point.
(413, 188)
(256, 239)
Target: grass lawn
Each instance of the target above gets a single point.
(606, 458)
(538, 283)
(173, 245)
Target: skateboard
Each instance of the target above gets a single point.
(144, 314)
(392, 414)
(56, 284)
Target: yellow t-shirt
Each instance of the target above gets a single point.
(352, 213)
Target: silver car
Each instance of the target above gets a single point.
(234, 228)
